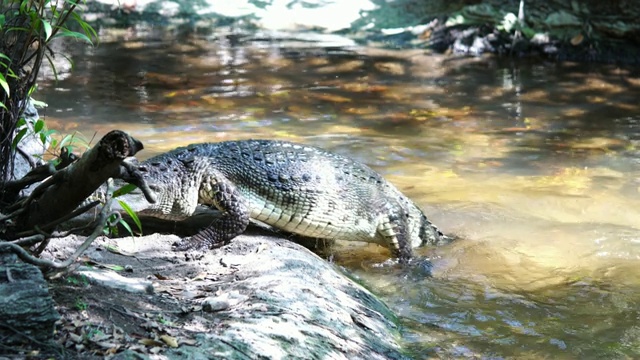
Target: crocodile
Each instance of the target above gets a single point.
(296, 188)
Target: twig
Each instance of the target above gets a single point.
(41, 173)
(42, 245)
(44, 263)
(52, 180)
(59, 221)
(29, 241)
(57, 348)
(129, 172)
(8, 273)
(12, 215)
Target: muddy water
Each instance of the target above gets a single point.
(534, 165)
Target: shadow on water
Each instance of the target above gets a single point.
(533, 164)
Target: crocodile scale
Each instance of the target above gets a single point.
(297, 188)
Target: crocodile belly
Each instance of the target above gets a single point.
(309, 218)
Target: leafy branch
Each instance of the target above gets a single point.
(27, 28)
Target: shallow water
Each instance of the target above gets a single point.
(534, 165)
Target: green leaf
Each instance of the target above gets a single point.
(114, 267)
(4, 84)
(528, 32)
(38, 126)
(88, 30)
(39, 104)
(73, 34)
(47, 29)
(126, 226)
(132, 214)
(124, 190)
(19, 137)
(53, 67)
(66, 140)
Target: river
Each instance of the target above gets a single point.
(532, 164)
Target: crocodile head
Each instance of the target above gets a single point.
(173, 184)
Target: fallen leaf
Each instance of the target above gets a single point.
(150, 342)
(75, 338)
(200, 276)
(169, 340)
(576, 40)
(330, 97)
(116, 250)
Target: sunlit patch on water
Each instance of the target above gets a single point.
(534, 166)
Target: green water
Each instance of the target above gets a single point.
(534, 165)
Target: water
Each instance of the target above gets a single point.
(534, 165)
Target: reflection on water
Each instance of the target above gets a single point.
(534, 165)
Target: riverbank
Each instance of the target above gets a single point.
(589, 32)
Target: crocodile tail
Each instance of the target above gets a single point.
(430, 234)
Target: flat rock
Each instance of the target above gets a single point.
(261, 296)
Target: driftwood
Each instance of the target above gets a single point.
(63, 192)
(57, 199)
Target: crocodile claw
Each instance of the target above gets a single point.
(190, 243)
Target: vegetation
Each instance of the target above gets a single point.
(27, 28)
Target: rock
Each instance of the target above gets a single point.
(298, 306)
(30, 145)
(329, 16)
(111, 279)
(27, 312)
(261, 296)
(223, 301)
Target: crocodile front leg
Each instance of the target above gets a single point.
(233, 222)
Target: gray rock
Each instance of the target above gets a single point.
(111, 279)
(31, 145)
(321, 15)
(27, 312)
(298, 307)
(258, 297)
